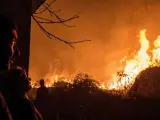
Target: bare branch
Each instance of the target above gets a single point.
(42, 20)
(47, 21)
(61, 20)
(44, 9)
(79, 41)
(58, 10)
(50, 35)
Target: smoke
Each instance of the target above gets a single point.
(112, 25)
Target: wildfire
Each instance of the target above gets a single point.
(140, 61)
(51, 79)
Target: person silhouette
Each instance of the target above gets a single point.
(43, 100)
(20, 106)
(8, 53)
(42, 91)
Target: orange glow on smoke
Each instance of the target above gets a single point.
(139, 62)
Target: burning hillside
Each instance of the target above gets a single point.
(139, 62)
(144, 58)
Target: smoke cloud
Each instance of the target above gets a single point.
(112, 25)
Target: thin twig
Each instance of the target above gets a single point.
(42, 18)
(47, 21)
(53, 36)
(58, 10)
(48, 8)
(40, 12)
(80, 41)
(61, 19)
(50, 35)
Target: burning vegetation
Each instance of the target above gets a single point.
(139, 62)
(145, 57)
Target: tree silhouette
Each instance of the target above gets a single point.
(85, 82)
(62, 84)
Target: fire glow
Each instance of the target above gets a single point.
(139, 61)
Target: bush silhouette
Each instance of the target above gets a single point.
(85, 82)
(147, 83)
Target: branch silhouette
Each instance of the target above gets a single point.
(46, 7)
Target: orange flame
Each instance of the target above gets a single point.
(138, 63)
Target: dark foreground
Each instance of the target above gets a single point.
(78, 104)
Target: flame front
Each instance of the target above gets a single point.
(51, 78)
(138, 63)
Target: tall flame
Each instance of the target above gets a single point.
(138, 63)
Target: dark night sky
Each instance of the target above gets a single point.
(113, 27)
